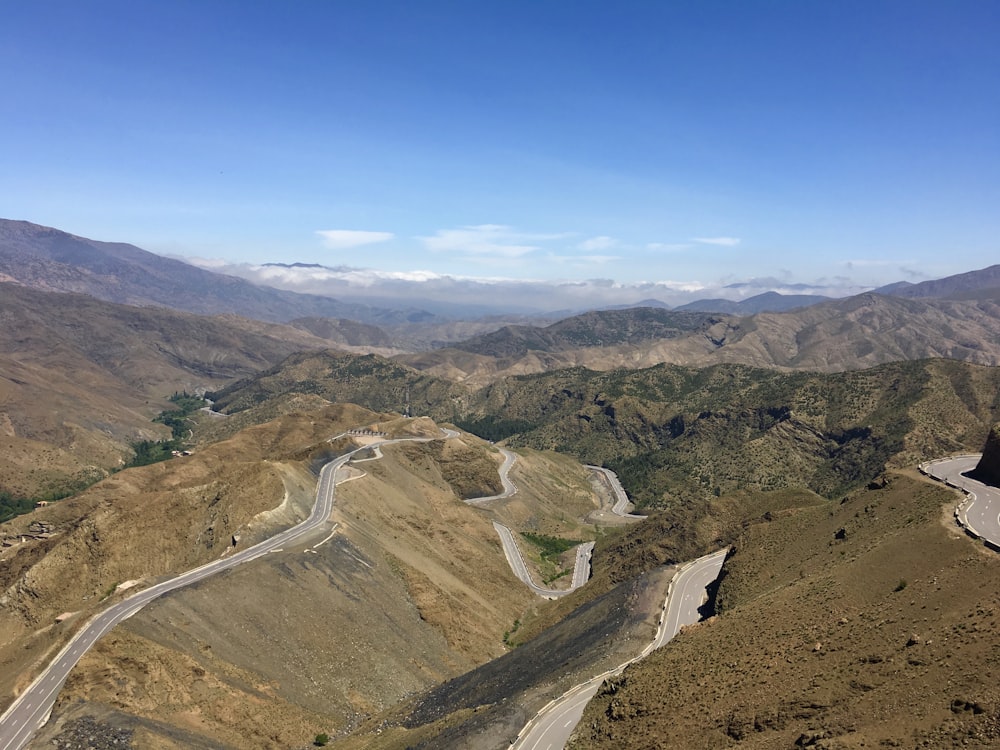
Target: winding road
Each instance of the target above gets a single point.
(552, 726)
(509, 488)
(30, 710)
(980, 511)
(581, 569)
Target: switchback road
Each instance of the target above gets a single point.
(509, 488)
(581, 569)
(552, 726)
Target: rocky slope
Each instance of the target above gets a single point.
(412, 589)
(142, 523)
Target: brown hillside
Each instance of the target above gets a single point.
(864, 624)
(146, 522)
(80, 379)
(849, 334)
(413, 589)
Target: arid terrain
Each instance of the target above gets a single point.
(851, 612)
(411, 589)
(867, 623)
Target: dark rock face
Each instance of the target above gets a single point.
(988, 470)
(88, 733)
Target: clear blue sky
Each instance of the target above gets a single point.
(709, 141)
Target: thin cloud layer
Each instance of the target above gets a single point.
(421, 287)
(720, 241)
(342, 239)
(596, 244)
(484, 240)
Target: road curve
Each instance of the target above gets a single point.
(581, 568)
(552, 726)
(979, 513)
(620, 508)
(30, 710)
(509, 488)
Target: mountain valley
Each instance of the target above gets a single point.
(851, 610)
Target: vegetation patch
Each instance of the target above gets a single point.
(12, 505)
(549, 546)
(178, 420)
(495, 428)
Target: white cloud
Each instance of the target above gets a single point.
(681, 286)
(210, 263)
(597, 243)
(720, 241)
(497, 292)
(584, 260)
(341, 239)
(487, 240)
(871, 263)
(668, 247)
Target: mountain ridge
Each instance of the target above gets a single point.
(53, 260)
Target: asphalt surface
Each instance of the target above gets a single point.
(581, 569)
(509, 488)
(31, 709)
(552, 726)
(620, 508)
(980, 511)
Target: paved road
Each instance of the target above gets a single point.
(620, 508)
(581, 570)
(31, 709)
(509, 488)
(980, 512)
(552, 726)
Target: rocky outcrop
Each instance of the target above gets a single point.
(988, 469)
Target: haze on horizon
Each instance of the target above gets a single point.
(599, 153)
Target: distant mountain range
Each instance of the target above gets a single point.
(836, 335)
(766, 302)
(48, 259)
(981, 284)
(51, 260)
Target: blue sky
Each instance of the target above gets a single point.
(838, 144)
